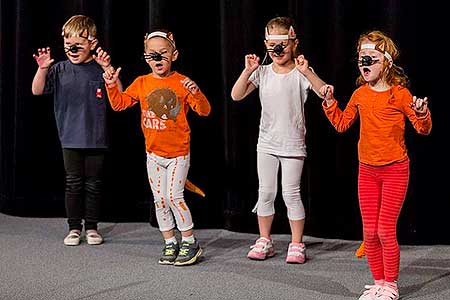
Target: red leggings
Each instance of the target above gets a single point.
(382, 191)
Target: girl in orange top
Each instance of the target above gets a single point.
(165, 97)
(382, 102)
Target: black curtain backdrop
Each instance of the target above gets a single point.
(213, 37)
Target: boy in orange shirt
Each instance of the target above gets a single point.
(165, 97)
(382, 102)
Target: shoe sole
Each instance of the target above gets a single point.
(261, 258)
(165, 262)
(295, 261)
(95, 243)
(71, 243)
(191, 261)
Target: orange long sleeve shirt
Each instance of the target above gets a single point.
(382, 124)
(164, 105)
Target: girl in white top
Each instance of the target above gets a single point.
(283, 90)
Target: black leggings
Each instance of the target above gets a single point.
(83, 186)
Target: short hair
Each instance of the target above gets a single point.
(162, 33)
(80, 26)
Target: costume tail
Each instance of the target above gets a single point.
(361, 251)
(193, 188)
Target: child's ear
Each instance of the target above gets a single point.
(174, 55)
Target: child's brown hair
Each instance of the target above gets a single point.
(394, 74)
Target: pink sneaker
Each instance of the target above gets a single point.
(262, 249)
(296, 253)
(372, 292)
(388, 293)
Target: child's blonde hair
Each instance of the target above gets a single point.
(284, 23)
(394, 74)
(80, 26)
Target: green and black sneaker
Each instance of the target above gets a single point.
(189, 253)
(169, 254)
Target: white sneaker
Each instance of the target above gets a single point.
(388, 293)
(371, 293)
(93, 238)
(73, 238)
(262, 249)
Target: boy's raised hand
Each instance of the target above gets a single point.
(102, 58)
(190, 85)
(251, 62)
(43, 58)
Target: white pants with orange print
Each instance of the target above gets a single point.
(167, 177)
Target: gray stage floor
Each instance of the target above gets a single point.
(36, 265)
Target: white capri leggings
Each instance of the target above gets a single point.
(291, 173)
(167, 177)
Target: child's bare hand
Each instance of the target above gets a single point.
(419, 105)
(301, 63)
(43, 58)
(327, 92)
(111, 76)
(251, 62)
(190, 85)
(102, 58)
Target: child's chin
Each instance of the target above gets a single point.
(74, 61)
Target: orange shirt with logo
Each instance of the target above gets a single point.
(164, 105)
(382, 122)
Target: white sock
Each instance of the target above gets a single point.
(190, 239)
(171, 240)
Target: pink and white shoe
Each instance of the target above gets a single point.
(296, 253)
(372, 292)
(388, 293)
(262, 249)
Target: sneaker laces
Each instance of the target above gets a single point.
(184, 249)
(389, 293)
(296, 250)
(372, 289)
(261, 245)
(169, 250)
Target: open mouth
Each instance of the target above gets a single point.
(74, 56)
(366, 71)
